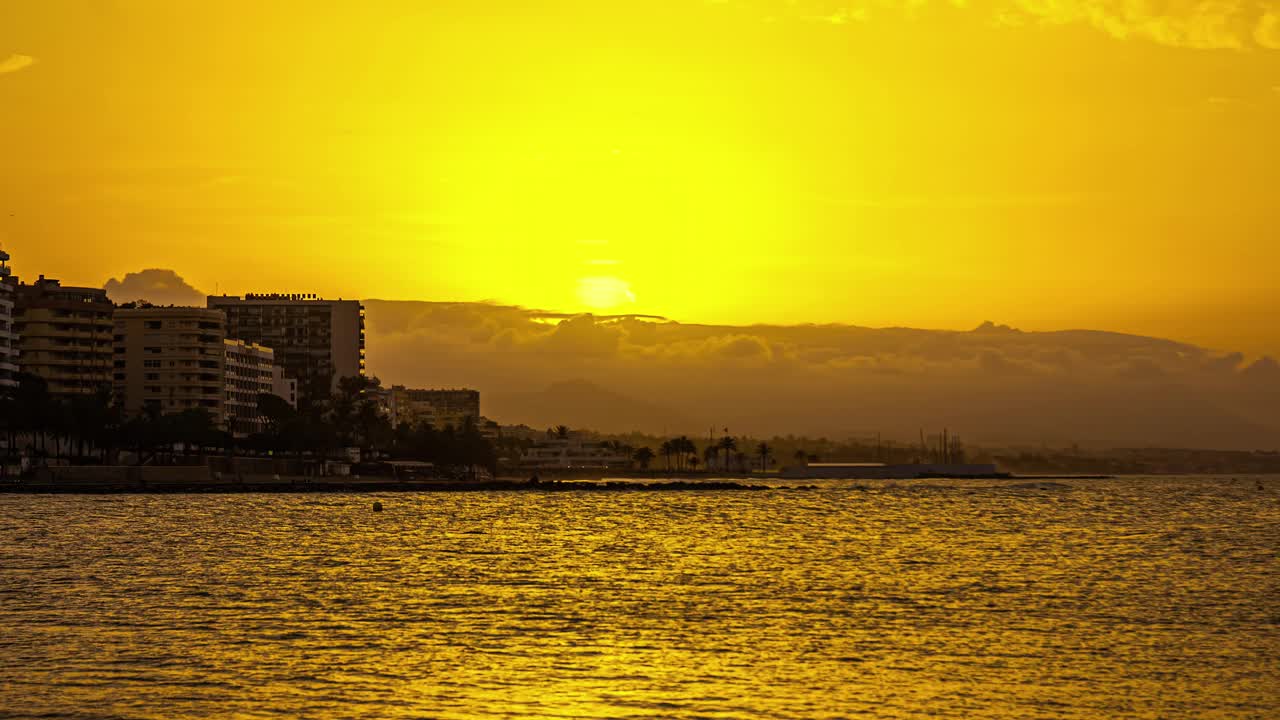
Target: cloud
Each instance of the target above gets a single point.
(1263, 371)
(14, 63)
(1235, 24)
(997, 383)
(1268, 32)
(156, 286)
(583, 336)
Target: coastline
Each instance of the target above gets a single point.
(285, 485)
(178, 480)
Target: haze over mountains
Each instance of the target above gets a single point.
(993, 384)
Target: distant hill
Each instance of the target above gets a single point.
(582, 404)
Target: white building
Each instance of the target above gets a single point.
(249, 372)
(572, 453)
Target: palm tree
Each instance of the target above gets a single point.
(693, 463)
(643, 456)
(562, 432)
(799, 455)
(684, 446)
(728, 445)
(666, 451)
(764, 451)
(709, 455)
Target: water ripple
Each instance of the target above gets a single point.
(1132, 598)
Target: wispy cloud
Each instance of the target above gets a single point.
(14, 63)
(1208, 24)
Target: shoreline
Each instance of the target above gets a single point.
(348, 485)
(181, 483)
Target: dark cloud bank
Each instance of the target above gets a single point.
(993, 384)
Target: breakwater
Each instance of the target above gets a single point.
(199, 479)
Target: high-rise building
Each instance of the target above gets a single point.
(249, 372)
(8, 340)
(438, 408)
(64, 335)
(170, 359)
(318, 342)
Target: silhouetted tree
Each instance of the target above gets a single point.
(728, 445)
(643, 456)
(682, 446)
(277, 413)
(710, 455)
(764, 451)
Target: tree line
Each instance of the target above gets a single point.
(94, 429)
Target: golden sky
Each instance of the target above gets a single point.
(1076, 163)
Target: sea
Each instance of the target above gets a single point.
(1134, 597)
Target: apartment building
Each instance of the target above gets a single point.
(249, 371)
(8, 339)
(169, 359)
(438, 408)
(317, 341)
(63, 335)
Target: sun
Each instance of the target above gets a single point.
(605, 292)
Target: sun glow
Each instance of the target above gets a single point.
(605, 293)
(763, 161)
(611, 191)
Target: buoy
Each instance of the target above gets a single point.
(377, 506)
